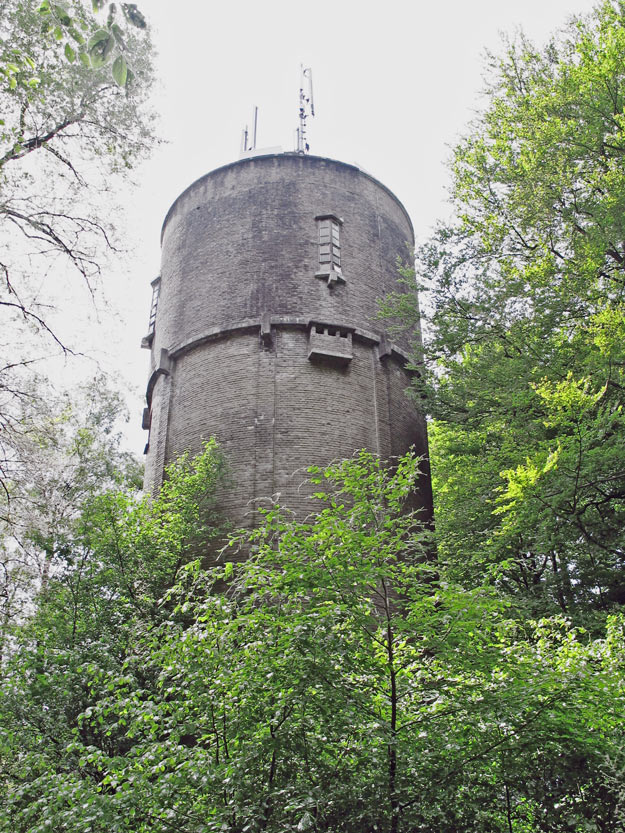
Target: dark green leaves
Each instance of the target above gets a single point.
(133, 15)
(61, 14)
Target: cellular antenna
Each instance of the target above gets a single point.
(306, 107)
(246, 134)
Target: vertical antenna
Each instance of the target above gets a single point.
(255, 128)
(246, 134)
(306, 107)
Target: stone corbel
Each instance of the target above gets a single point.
(266, 336)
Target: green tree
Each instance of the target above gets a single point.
(336, 684)
(67, 129)
(526, 382)
(107, 572)
(68, 133)
(69, 450)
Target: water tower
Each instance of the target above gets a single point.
(264, 330)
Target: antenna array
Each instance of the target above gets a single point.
(306, 107)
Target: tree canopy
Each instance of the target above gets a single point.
(68, 450)
(69, 129)
(334, 682)
(526, 334)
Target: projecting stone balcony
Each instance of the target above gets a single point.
(330, 344)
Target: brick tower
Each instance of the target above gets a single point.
(263, 328)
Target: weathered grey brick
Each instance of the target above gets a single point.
(231, 350)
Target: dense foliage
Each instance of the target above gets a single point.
(68, 450)
(106, 572)
(526, 337)
(335, 682)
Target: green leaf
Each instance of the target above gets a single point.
(118, 34)
(75, 34)
(69, 53)
(108, 47)
(120, 70)
(61, 14)
(96, 38)
(133, 15)
(100, 49)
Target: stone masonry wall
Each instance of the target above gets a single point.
(250, 345)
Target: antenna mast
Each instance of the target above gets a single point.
(245, 136)
(306, 107)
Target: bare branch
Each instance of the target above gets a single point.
(39, 141)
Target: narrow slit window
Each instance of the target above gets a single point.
(156, 288)
(329, 244)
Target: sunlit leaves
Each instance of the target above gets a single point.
(526, 377)
(337, 682)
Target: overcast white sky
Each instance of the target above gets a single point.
(395, 84)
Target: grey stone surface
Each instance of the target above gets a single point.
(285, 370)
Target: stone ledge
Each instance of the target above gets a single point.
(301, 322)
